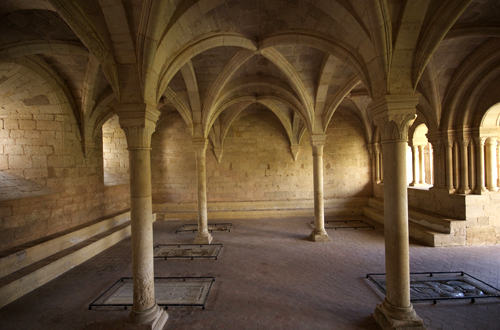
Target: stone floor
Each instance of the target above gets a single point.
(268, 276)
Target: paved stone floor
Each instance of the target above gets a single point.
(268, 276)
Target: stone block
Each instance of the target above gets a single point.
(10, 124)
(27, 124)
(13, 150)
(20, 162)
(43, 125)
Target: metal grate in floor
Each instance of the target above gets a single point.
(435, 286)
(169, 291)
(187, 251)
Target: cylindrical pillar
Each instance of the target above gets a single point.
(396, 224)
(393, 115)
(414, 164)
(421, 165)
(498, 165)
(138, 122)
(472, 167)
(449, 166)
(200, 149)
(431, 165)
(456, 167)
(319, 233)
(381, 167)
(464, 169)
(142, 229)
(438, 167)
(491, 166)
(480, 187)
(377, 162)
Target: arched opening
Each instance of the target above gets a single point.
(419, 159)
(114, 153)
(489, 133)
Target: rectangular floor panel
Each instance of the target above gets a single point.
(169, 291)
(434, 286)
(187, 251)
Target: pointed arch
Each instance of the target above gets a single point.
(337, 48)
(170, 66)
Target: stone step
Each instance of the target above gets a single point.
(429, 229)
(27, 279)
(262, 209)
(432, 221)
(21, 256)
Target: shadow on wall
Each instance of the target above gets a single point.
(15, 187)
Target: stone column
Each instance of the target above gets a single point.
(139, 122)
(381, 166)
(438, 161)
(449, 166)
(431, 165)
(472, 167)
(498, 164)
(456, 167)
(377, 162)
(464, 169)
(319, 233)
(414, 162)
(200, 149)
(421, 165)
(393, 114)
(480, 187)
(491, 166)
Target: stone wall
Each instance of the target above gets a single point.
(479, 211)
(46, 183)
(257, 164)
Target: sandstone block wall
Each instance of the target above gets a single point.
(46, 183)
(257, 164)
(480, 212)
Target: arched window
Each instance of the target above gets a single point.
(115, 153)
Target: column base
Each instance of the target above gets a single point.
(153, 318)
(492, 189)
(464, 191)
(203, 238)
(391, 317)
(317, 236)
(481, 191)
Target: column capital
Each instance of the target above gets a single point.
(200, 146)
(436, 142)
(491, 140)
(464, 142)
(480, 141)
(393, 114)
(449, 141)
(138, 121)
(317, 139)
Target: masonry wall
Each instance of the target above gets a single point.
(257, 164)
(480, 212)
(46, 183)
